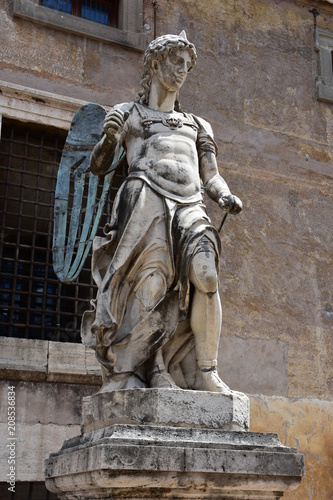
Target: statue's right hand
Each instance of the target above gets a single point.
(113, 122)
(231, 203)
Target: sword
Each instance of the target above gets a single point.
(222, 222)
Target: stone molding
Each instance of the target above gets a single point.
(42, 360)
(37, 106)
(225, 465)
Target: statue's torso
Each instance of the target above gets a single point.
(161, 148)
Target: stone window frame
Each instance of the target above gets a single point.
(31, 359)
(104, 12)
(36, 106)
(324, 80)
(129, 34)
(24, 265)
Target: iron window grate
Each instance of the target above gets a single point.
(27, 491)
(100, 11)
(33, 302)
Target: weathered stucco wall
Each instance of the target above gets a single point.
(255, 83)
(66, 64)
(305, 424)
(257, 88)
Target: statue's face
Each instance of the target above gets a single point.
(173, 70)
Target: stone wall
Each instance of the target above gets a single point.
(57, 61)
(255, 83)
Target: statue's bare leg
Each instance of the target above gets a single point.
(206, 321)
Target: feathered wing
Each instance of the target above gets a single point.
(73, 232)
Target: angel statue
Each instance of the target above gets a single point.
(157, 317)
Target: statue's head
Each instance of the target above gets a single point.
(158, 50)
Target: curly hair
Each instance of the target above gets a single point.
(158, 50)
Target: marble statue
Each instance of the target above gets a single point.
(157, 316)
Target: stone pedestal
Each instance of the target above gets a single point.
(166, 407)
(152, 444)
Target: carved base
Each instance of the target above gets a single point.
(170, 407)
(180, 460)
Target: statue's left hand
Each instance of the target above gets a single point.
(231, 203)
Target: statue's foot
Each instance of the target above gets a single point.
(162, 380)
(209, 380)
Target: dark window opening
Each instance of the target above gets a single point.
(27, 491)
(100, 11)
(33, 302)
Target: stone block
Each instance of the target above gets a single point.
(66, 362)
(25, 359)
(93, 367)
(170, 407)
(133, 461)
(73, 363)
(40, 360)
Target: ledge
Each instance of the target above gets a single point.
(30, 105)
(42, 360)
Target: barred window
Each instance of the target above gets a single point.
(27, 491)
(33, 303)
(100, 11)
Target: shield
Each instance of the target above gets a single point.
(78, 208)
